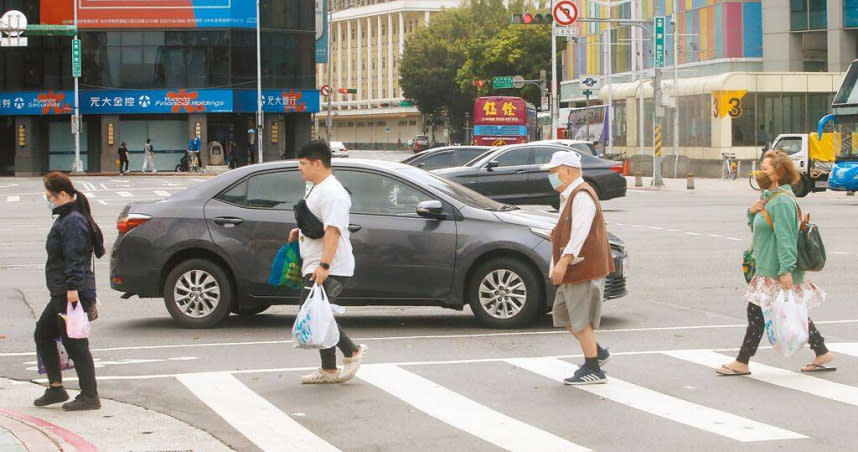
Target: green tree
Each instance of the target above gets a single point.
(474, 41)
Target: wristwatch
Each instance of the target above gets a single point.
(325, 265)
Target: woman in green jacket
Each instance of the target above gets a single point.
(776, 255)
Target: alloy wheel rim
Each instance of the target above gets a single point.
(197, 294)
(502, 294)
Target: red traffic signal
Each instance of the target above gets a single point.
(531, 19)
(347, 90)
(479, 83)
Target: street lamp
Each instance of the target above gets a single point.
(259, 114)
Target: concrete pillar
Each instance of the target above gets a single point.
(274, 149)
(193, 119)
(401, 42)
(842, 44)
(378, 65)
(32, 158)
(781, 48)
(361, 93)
(339, 66)
(109, 152)
(370, 72)
(348, 60)
(390, 56)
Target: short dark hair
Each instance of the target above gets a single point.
(316, 150)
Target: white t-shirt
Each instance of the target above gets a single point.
(329, 202)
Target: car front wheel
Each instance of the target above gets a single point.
(505, 293)
(198, 293)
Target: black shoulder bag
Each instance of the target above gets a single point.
(309, 224)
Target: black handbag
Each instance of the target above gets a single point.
(309, 224)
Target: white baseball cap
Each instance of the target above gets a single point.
(563, 158)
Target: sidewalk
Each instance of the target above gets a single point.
(700, 184)
(116, 427)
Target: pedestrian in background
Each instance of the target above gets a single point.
(71, 243)
(123, 158)
(327, 261)
(149, 156)
(581, 259)
(776, 254)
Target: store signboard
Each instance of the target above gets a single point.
(151, 13)
(278, 101)
(157, 101)
(36, 103)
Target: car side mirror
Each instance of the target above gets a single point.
(433, 210)
(421, 164)
(492, 165)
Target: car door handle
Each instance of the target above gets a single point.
(354, 228)
(228, 221)
(521, 171)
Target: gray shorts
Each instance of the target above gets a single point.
(579, 305)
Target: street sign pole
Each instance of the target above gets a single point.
(587, 93)
(259, 115)
(554, 94)
(328, 121)
(76, 121)
(674, 91)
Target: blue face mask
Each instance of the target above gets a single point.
(51, 205)
(555, 181)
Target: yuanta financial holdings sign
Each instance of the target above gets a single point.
(150, 13)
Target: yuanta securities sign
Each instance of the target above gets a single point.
(157, 101)
(150, 13)
(36, 103)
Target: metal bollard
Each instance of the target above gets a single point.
(638, 180)
(690, 185)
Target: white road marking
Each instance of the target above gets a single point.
(734, 239)
(162, 193)
(776, 376)
(253, 416)
(89, 194)
(693, 233)
(673, 230)
(104, 186)
(663, 405)
(13, 198)
(102, 202)
(657, 228)
(847, 348)
(715, 236)
(461, 412)
(124, 194)
(840, 253)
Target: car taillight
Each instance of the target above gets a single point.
(131, 221)
(617, 169)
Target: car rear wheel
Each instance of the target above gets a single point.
(198, 293)
(505, 293)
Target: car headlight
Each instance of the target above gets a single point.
(544, 233)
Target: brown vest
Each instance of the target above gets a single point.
(596, 251)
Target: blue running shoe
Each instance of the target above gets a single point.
(603, 356)
(586, 376)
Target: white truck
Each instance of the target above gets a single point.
(813, 157)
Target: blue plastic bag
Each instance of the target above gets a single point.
(844, 177)
(286, 267)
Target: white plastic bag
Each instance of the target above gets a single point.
(315, 326)
(786, 322)
(77, 321)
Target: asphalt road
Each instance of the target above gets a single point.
(435, 380)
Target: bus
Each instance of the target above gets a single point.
(502, 120)
(589, 123)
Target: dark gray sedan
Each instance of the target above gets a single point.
(513, 174)
(445, 157)
(418, 240)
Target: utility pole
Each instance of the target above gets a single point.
(674, 91)
(658, 111)
(555, 95)
(259, 115)
(328, 121)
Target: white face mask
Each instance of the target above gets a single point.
(51, 205)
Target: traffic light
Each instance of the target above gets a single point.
(347, 90)
(531, 19)
(478, 83)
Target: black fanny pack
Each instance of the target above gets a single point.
(309, 224)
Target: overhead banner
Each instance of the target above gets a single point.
(278, 101)
(321, 31)
(36, 103)
(157, 101)
(151, 13)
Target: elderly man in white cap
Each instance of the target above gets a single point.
(581, 260)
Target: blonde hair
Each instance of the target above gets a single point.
(784, 167)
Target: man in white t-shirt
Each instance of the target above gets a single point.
(327, 261)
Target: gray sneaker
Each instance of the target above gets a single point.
(320, 377)
(351, 365)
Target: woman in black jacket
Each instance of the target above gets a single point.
(123, 158)
(71, 243)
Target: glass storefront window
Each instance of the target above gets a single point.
(850, 13)
(808, 15)
(695, 124)
(818, 14)
(620, 124)
(798, 15)
(745, 126)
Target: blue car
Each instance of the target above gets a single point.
(844, 177)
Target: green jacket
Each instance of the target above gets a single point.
(776, 251)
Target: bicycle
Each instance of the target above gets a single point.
(752, 181)
(730, 166)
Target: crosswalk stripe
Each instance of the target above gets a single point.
(13, 198)
(253, 416)
(776, 376)
(124, 194)
(463, 413)
(663, 405)
(162, 193)
(847, 348)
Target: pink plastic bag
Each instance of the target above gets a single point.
(77, 321)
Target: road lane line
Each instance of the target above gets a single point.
(776, 376)
(162, 193)
(461, 412)
(662, 405)
(847, 348)
(89, 194)
(104, 186)
(13, 198)
(251, 415)
(124, 194)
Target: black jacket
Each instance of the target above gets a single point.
(70, 246)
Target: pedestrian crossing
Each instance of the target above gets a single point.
(472, 409)
(122, 195)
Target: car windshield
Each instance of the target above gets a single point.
(480, 157)
(459, 192)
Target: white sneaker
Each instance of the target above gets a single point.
(320, 377)
(351, 365)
